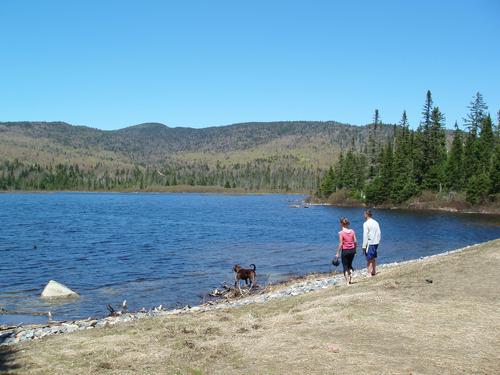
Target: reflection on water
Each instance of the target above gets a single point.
(169, 249)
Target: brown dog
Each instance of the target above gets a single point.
(247, 274)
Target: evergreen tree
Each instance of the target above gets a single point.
(478, 188)
(454, 166)
(495, 163)
(427, 112)
(497, 128)
(327, 186)
(486, 144)
(339, 172)
(436, 151)
(422, 159)
(403, 186)
(373, 146)
(379, 189)
(376, 119)
(471, 155)
(477, 112)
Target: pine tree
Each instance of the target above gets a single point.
(478, 188)
(422, 159)
(327, 185)
(339, 172)
(376, 119)
(427, 112)
(454, 165)
(436, 151)
(477, 112)
(486, 144)
(379, 189)
(471, 155)
(494, 172)
(403, 186)
(349, 170)
(497, 128)
(373, 145)
(387, 169)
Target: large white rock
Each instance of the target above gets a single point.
(57, 290)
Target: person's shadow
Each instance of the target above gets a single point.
(7, 359)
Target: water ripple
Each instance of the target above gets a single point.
(167, 249)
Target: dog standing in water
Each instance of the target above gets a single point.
(247, 274)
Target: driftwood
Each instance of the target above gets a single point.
(228, 293)
(122, 310)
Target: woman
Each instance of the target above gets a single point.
(347, 245)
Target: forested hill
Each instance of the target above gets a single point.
(151, 143)
(253, 156)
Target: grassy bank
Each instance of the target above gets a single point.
(393, 323)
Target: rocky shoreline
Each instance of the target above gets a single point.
(17, 334)
(412, 206)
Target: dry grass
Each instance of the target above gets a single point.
(395, 323)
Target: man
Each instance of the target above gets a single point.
(371, 240)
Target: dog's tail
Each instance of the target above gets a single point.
(253, 266)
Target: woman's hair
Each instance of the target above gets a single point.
(344, 222)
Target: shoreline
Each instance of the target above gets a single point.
(439, 308)
(416, 207)
(309, 199)
(179, 189)
(301, 285)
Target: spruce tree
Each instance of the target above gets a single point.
(486, 144)
(495, 163)
(436, 154)
(477, 112)
(379, 189)
(427, 112)
(422, 141)
(454, 164)
(349, 170)
(478, 188)
(339, 172)
(402, 163)
(373, 146)
(327, 185)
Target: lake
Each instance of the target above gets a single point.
(171, 249)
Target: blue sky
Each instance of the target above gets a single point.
(110, 64)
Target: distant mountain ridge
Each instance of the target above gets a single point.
(261, 156)
(152, 143)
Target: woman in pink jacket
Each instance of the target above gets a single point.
(347, 247)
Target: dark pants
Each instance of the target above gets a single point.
(347, 258)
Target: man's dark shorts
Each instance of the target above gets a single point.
(371, 252)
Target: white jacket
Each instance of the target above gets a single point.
(371, 233)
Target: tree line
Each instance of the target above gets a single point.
(263, 174)
(413, 161)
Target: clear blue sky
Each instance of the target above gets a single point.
(110, 64)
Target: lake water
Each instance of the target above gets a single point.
(170, 249)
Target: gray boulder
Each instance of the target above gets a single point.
(57, 290)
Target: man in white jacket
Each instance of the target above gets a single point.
(371, 240)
